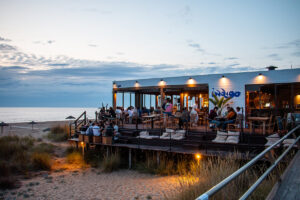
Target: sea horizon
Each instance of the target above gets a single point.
(42, 114)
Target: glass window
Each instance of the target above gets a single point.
(119, 98)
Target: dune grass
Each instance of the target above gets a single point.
(58, 133)
(111, 163)
(198, 177)
(21, 155)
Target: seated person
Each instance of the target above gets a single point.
(212, 118)
(89, 130)
(213, 114)
(230, 117)
(185, 117)
(116, 131)
(96, 130)
(109, 130)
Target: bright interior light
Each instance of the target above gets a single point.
(198, 156)
(136, 84)
(162, 82)
(191, 81)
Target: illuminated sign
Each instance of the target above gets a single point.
(226, 94)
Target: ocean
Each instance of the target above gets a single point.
(41, 114)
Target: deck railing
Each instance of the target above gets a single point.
(222, 184)
(79, 121)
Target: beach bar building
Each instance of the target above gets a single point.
(258, 93)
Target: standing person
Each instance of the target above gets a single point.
(184, 118)
(168, 108)
(112, 113)
(130, 114)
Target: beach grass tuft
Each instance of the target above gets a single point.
(19, 156)
(58, 133)
(76, 158)
(111, 163)
(41, 161)
(199, 177)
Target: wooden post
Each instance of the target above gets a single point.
(114, 99)
(129, 158)
(157, 158)
(156, 101)
(181, 101)
(130, 99)
(107, 152)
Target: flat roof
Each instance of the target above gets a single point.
(283, 74)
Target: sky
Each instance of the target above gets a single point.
(63, 53)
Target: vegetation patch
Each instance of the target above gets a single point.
(58, 133)
(111, 163)
(19, 156)
(41, 161)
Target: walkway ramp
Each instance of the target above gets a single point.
(289, 188)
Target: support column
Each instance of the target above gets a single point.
(157, 158)
(130, 100)
(114, 99)
(181, 101)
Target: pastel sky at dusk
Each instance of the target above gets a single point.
(67, 53)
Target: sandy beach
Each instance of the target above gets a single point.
(70, 182)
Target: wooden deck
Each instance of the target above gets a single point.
(195, 142)
(289, 187)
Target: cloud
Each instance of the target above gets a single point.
(32, 80)
(44, 42)
(231, 58)
(234, 64)
(294, 44)
(297, 54)
(92, 45)
(7, 47)
(274, 56)
(4, 39)
(50, 41)
(197, 47)
(95, 10)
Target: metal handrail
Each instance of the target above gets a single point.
(219, 186)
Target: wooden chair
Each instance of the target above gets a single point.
(238, 123)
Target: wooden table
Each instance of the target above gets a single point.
(152, 118)
(262, 119)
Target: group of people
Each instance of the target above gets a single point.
(101, 128)
(167, 108)
(230, 117)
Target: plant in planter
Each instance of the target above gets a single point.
(220, 102)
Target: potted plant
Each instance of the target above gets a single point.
(220, 102)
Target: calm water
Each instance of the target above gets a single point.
(20, 114)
